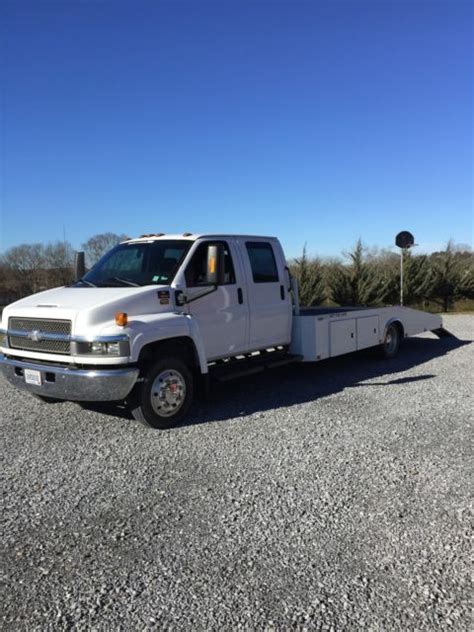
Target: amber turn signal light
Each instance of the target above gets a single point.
(121, 319)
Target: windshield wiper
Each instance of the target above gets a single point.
(89, 283)
(122, 280)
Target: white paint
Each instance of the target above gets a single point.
(342, 336)
(367, 332)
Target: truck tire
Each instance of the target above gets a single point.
(391, 343)
(163, 397)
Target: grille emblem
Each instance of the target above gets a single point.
(35, 335)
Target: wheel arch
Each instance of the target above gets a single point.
(184, 346)
(398, 324)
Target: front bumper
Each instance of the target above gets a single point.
(60, 382)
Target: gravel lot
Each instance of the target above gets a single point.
(334, 496)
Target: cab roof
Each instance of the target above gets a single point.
(192, 236)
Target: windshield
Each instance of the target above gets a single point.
(138, 263)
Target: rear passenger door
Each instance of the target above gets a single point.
(268, 296)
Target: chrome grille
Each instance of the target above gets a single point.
(45, 326)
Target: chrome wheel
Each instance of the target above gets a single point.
(168, 393)
(163, 397)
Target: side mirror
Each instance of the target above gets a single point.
(79, 265)
(215, 264)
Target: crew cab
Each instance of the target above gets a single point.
(162, 315)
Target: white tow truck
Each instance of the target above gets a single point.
(161, 315)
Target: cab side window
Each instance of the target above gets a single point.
(196, 271)
(262, 262)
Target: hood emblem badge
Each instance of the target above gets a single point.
(35, 335)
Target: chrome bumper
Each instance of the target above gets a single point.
(59, 382)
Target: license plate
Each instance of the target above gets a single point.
(32, 377)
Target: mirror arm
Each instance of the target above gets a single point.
(195, 298)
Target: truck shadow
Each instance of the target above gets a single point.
(300, 383)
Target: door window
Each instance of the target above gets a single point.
(262, 262)
(196, 271)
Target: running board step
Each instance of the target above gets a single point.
(256, 364)
(441, 332)
(288, 359)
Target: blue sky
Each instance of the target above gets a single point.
(318, 122)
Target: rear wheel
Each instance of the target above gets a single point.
(391, 343)
(164, 396)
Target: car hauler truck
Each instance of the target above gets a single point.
(160, 315)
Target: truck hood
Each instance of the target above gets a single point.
(89, 306)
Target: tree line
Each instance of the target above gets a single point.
(30, 268)
(362, 276)
(372, 277)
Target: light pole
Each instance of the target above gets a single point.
(401, 276)
(404, 241)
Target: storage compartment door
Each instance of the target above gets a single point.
(342, 335)
(367, 332)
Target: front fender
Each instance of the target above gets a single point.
(149, 328)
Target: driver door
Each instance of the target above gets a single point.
(222, 314)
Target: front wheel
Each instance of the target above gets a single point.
(391, 343)
(165, 394)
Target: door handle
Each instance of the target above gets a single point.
(240, 295)
(282, 292)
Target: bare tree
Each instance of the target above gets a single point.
(27, 267)
(97, 245)
(8, 291)
(59, 258)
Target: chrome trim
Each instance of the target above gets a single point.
(58, 382)
(116, 338)
(20, 333)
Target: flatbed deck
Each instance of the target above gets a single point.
(326, 332)
(321, 311)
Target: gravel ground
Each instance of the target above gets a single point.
(328, 497)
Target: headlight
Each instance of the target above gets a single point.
(119, 348)
(105, 348)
